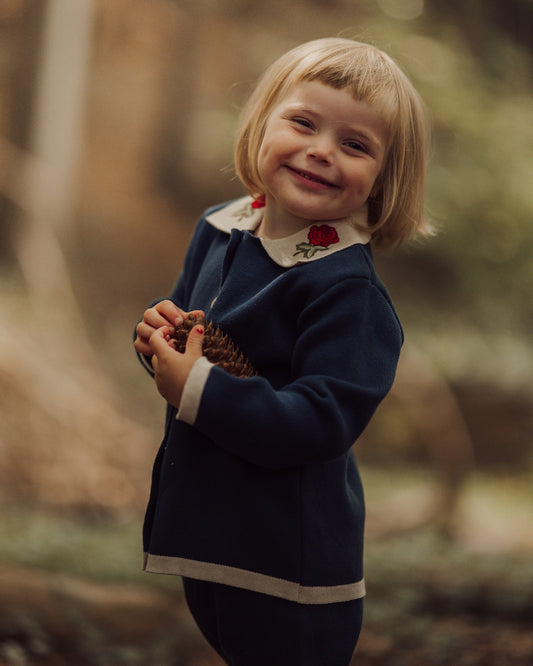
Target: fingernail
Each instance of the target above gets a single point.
(199, 329)
(179, 320)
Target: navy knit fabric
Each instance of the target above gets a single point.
(265, 480)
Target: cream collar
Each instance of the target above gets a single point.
(314, 242)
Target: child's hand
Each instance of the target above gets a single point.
(170, 367)
(164, 313)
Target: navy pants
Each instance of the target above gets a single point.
(251, 629)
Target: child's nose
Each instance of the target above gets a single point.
(320, 149)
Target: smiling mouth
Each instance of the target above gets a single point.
(313, 178)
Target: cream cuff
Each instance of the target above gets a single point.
(193, 389)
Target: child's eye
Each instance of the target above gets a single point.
(303, 122)
(358, 146)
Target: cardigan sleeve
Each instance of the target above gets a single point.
(181, 292)
(343, 364)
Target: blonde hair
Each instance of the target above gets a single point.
(370, 75)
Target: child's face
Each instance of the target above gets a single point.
(320, 157)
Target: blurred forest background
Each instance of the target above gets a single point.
(116, 131)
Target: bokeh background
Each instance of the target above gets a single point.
(116, 131)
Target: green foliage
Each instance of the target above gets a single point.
(99, 549)
(479, 190)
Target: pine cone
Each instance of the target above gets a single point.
(218, 347)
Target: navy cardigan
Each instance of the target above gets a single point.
(255, 484)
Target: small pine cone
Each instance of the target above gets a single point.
(217, 348)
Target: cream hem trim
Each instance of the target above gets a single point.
(250, 580)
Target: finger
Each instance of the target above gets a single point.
(169, 311)
(154, 319)
(195, 341)
(159, 340)
(162, 314)
(142, 347)
(144, 331)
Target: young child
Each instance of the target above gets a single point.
(256, 498)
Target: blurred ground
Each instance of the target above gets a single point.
(71, 589)
(55, 620)
(440, 616)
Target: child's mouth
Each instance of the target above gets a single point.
(311, 177)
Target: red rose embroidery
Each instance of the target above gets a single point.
(259, 202)
(323, 235)
(320, 238)
(248, 209)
